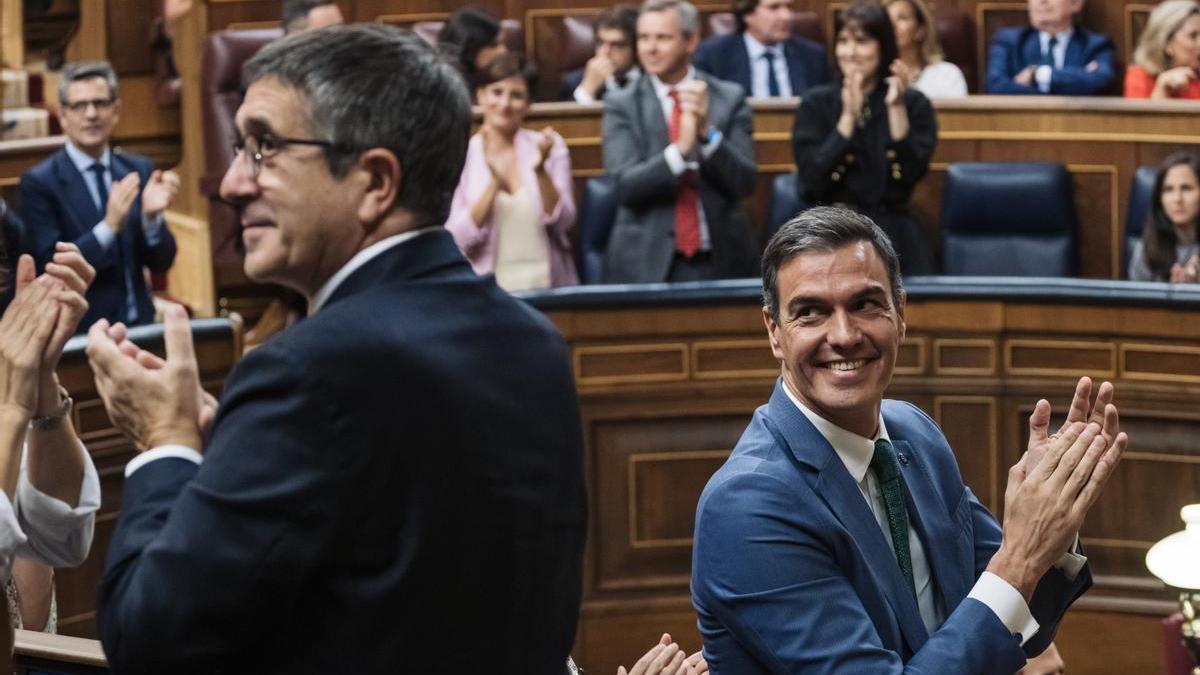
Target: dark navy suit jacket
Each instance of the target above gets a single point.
(56, 206)
(791, 573)
(1013, 49)
(392, 485)
(725, 58)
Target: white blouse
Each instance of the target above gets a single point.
(941, 80)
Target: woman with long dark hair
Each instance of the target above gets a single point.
(864, 141)
(474, 37)
(1168, 250)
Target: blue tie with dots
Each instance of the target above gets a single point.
(891, 484)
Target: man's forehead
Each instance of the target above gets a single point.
(850, 269)
(88, 84)
(271, 106)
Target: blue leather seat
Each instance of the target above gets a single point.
(1009, 219)
(785, 201)
(597, 211)
(1137, 211)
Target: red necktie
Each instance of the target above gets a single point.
(687, 211)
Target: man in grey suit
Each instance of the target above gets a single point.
(677, 145)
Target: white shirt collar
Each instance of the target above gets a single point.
(855, 451)
(361, 258)
(631, 76)
(1063, 38)
(662, 89)
(755, 49)
(84, 161)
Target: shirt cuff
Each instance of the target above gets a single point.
(1008, 605)
(162, 452)
(11, 535)
(1042, 76)
(675, 160)
(43, 511)
(1071, 562)
(152, 229)
(710, 147)
(103, 234)
(581, 95)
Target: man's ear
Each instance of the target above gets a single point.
(381, 172)
(772, 333)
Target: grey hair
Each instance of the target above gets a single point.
(824, 229)
(689, 17)
(371, 85)
(86, 70)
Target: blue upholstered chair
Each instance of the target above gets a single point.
(597, 211)
(1008, 219)
(785, 201)
(1137, 211)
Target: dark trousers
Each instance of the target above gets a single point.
(696, 268)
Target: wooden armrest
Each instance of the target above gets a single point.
(64, 650)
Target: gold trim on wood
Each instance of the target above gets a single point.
(1116, 543)
(631, 464)
(992, 433)
(986, 343)
(1160, 457)
(411, 17)
(714, 345)
(632, 349)
(1156, 376)
(1010, 344)
(1066, 136)
(920, 342)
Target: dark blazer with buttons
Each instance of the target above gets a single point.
(725, 57)
(1014, 49)
(57, 206)
(386, 489)
(642, 245)
(791, 573)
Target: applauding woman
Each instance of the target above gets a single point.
(865, 141)
(1166, 63)
(921, 64)
(1168, 250)
(513, 210)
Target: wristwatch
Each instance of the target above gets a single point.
(54, 419)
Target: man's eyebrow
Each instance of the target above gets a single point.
(801, 300)
(256, 126)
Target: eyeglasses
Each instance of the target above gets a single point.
(266, 146)
(100, 104)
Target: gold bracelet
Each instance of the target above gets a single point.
(54, 419)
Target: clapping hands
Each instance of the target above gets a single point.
(666, 658)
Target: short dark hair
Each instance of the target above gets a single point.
(87, 70)
(740, 9)
(1159, 239)
(824, 229)
(404, 96)
(505, 66)
(871, 18)
(465, 33)
(295, 11)
(622, 17)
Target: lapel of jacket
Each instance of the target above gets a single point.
(418, 257)
(75, 192)
(741, 64)
(939, 534)
(1075, 49)
(1032, 47)
(796, 74)
(651, 111)
(837, 488)
(121, 167)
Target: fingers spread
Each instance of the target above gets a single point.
(1079, 403)
(1039, 420)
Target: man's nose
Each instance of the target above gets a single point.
(843, 330)
(239, 184)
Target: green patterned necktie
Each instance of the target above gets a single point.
(891, 484)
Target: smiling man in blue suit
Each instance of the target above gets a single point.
(1052, 55)
(839, 537)
(106, 202)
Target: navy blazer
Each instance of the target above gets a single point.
(56, 206)
(387, 489)
(791, 572)
(725, 58)
(1013, 49)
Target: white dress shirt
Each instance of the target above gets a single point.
(318, 300)
(758, 68)
(855, 452)
(1042, 74)
(582, 95)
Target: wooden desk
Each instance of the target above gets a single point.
(668, 379)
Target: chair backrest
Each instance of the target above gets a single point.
(785, 201)
(511, 33)
(1008, 219)
(221, 90)
(805, 23)
(1137, 211)
(597, 211)
(956, 34)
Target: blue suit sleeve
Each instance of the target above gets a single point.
(157, 253)
(1004, 64)
(44, 227)
(174, 598)
(770, 577)
(1079, 80)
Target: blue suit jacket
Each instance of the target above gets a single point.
(56, 206)
(383, 479)
(725, 58)
(792, 574)
(1013, 49)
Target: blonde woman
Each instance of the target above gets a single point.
(1166, 63)
(921, 61)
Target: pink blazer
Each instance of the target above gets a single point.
(478, 241)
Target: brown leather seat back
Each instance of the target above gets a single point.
(956, 33)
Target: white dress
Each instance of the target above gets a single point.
(941, 80)
(522, 259)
